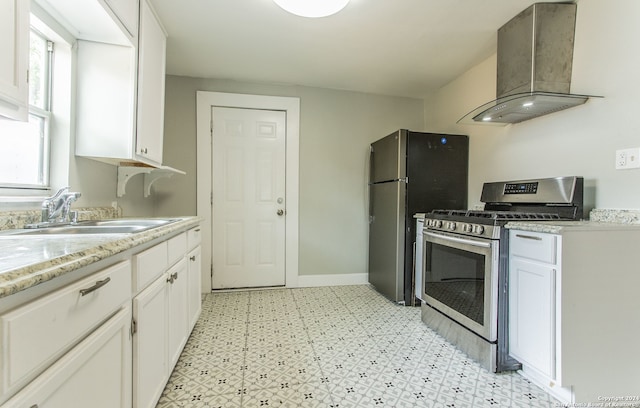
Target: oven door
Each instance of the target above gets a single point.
(460, 279)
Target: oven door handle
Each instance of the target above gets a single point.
(481, 244)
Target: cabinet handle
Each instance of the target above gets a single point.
(192, 258)
(173, 277)
(34, 406)
(529, 237)
(97, 286)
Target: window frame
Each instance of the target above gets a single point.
(59, 137)
(44, 116)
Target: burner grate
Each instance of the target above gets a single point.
(515, 215)
(498, 215)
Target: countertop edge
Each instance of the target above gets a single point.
(560, 227)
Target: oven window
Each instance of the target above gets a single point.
(456, 278)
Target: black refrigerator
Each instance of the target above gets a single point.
(411, 172)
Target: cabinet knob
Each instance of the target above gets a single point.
(193, 258)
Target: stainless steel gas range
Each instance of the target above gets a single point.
(465, 262)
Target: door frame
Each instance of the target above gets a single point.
(205, 102)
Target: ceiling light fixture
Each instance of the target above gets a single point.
(312, 8)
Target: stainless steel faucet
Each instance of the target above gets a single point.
(56, 209)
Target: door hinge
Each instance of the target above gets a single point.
(211, 198)
(134, 327)
(211, 127)
(211, 272)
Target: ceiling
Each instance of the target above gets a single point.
(390, 47)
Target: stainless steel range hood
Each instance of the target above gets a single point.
(535, 57)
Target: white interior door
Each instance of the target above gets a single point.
(248, 214)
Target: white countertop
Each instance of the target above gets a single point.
(26, 261)
(558, 227)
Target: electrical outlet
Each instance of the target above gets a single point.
(628, 158)
(621, 159)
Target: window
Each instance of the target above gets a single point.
(24, 157)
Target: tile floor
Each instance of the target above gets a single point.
(341, 346)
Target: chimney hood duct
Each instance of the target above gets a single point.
(535, 56)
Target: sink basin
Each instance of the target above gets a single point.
(126, 222)
(81, 229)
(115, 226)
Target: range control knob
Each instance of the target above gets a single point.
(451, 226)
(478, 229)
(437, 223)
(467, 227)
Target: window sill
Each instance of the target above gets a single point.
(10, 202)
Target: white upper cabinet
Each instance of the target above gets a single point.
(151, 79)
(120, 95)
(14, 61)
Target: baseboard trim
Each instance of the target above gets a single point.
(332, 280)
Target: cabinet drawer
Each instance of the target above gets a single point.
(35, 335)
(533, 245)
(177, 247)
(149, 265)
(194, 237)
(96, 373)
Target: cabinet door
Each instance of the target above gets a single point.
(96, 373)
(195, 286)
(38, 333)
(151, 81)
(177, 314)
(532, 314)
(14, 58)
(150, 363)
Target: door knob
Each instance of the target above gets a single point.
(280, 212)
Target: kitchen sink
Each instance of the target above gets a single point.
(126, 222)
(114, 226)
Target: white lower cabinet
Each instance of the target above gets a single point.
(195, 286)
(534, 269)
(177, 292)
(96, 373)
(532, 314)
(150, 356)
(163, 313)
(35, 335)
(573, 308)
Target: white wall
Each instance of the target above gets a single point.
(579, 141)
(336, 128)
